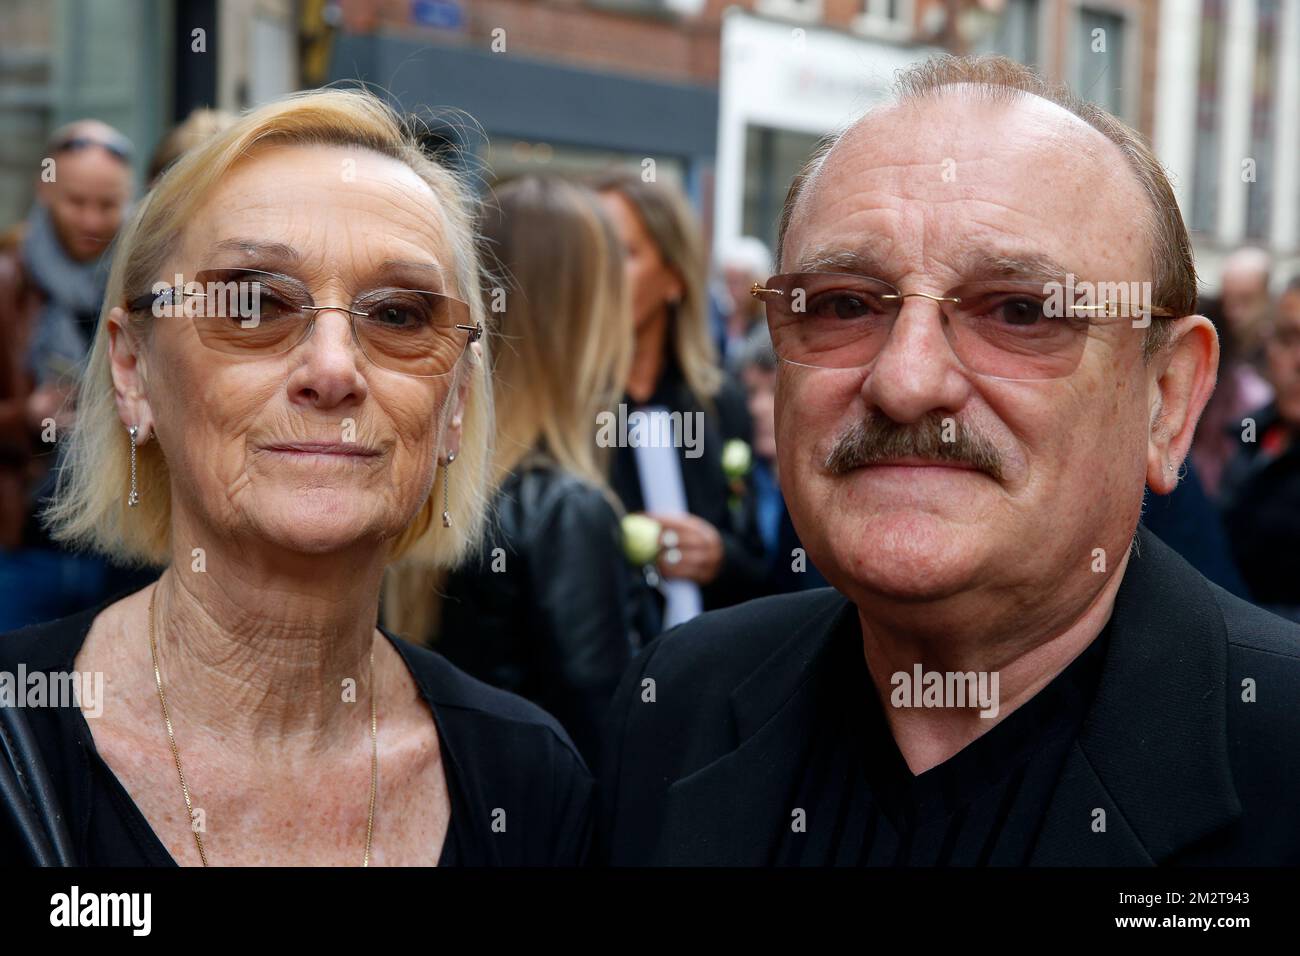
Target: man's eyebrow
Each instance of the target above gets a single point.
(257, 249)
(1033, 267)
(857, 261)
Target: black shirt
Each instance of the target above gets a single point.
(982, 806)
(500, 753)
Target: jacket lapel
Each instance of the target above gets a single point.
(1153, 751)
(711, 821)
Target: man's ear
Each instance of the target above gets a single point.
(1182, 376)
(127, 364)
(459, 397)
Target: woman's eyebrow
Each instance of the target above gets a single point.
(262, 252)
(412, 270)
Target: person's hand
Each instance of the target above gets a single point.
(50, 401)
(692, 548)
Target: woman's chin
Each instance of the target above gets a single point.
(311, 530)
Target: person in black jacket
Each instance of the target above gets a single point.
(713, 554)
(1261, 487)
(546, 609)
(1007, 669)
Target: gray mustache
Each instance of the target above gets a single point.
(879, 439)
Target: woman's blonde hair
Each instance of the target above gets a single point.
(671, 223)
(89, 506)
(564, 326)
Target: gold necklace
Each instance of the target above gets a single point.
(176, 754)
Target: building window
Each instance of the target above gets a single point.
(1205, 170)
(889, 18)
(1099, 59)
(772, 158)
(806, 10)
(1259, 192)
(1015, 33)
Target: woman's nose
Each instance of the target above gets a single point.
(327, 370)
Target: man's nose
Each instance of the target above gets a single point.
(916, 371)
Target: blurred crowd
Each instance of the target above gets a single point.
(603, 298)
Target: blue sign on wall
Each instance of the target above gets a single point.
(440, 14)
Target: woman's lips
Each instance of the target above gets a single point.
(337, 449)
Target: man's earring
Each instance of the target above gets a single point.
(133, 498)
(446, 475)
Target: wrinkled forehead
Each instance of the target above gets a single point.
(302, 209)
(931, 179)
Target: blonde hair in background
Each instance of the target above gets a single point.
(89, 507)
(198, 126)
(564, 346)
(565, 334)
(671, 223)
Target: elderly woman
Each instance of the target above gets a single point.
(290, 348)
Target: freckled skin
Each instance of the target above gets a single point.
(1029, 178)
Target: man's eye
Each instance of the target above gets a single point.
(841, 305)
(1018, 311)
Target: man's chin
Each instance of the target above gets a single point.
(919, 558)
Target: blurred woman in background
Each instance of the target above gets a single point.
(712, 554)
(544, 610)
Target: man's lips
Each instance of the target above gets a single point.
(344, 449)
(920, 463)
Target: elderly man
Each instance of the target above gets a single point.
(1006, 670)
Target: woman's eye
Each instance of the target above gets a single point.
(268, 305)
(398, 315)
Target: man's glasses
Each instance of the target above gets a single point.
(999, 328)
(253, 313)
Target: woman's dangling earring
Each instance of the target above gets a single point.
(133, 498)
(446, 513)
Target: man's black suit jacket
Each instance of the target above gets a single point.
(1188, 771)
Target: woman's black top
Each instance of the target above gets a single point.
(520, 794)
(710, 494)
(546, 610)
